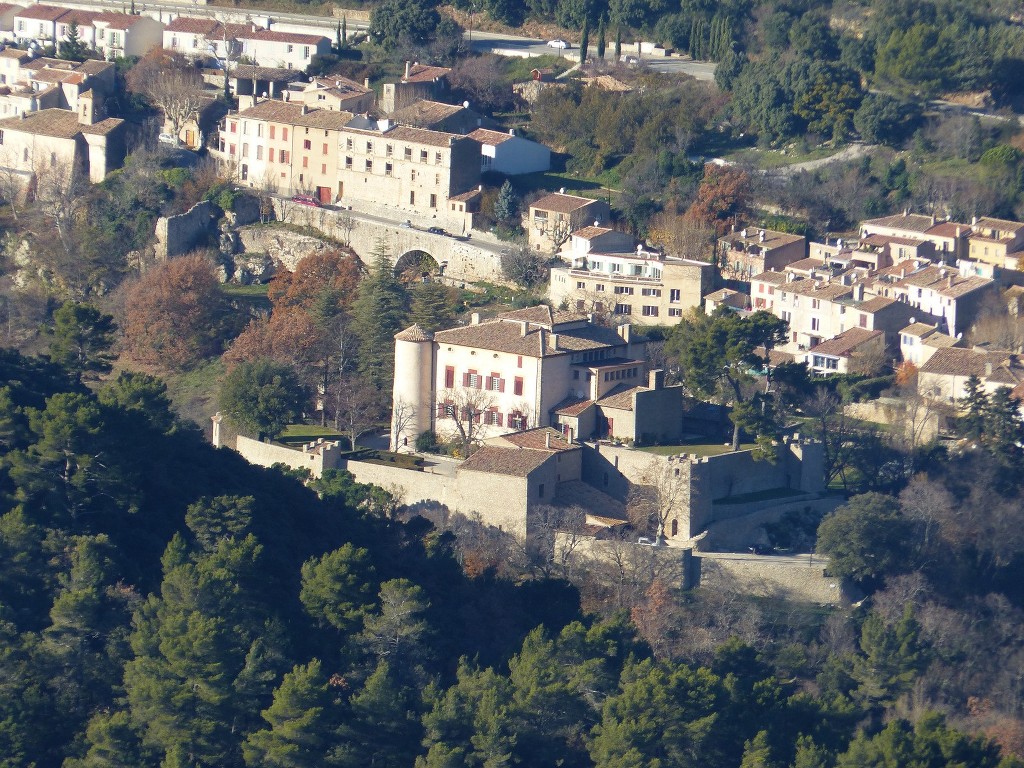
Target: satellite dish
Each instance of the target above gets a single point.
(913, 320)
(264, 94)
(465, 104)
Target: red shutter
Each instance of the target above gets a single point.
(465, 379)
(487, 382)
(449, 376)
(501, 385)
(518, 386)
(440, 411)
(501, 419)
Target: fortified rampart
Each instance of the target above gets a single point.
(176, 235)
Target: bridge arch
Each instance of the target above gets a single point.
(416, 264)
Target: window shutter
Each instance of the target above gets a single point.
(465, 379)
(487, 382)
(501, 385)
(501, 419)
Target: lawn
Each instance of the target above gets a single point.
(297, 434)
(770, 159)
(767, 495)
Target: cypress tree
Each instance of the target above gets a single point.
(618, 43)
(379, 312)
(600, 39)
(584, 41)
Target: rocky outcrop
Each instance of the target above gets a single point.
(284, 247)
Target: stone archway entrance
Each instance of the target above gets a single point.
(416, 265)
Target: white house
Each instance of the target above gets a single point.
(267, 47)
(510, 154)
(7, 15)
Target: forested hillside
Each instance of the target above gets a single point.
(163, 603)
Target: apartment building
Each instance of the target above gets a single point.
(641, 286)
(948, 237)
(997, 242)
(507, 374)
(201, 37)
(111, 34)
(336, 92)
(749, 252)
(419, 81)
(552, 219)
(504, 152)
(291, 148)
(839, 354)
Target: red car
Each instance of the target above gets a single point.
(309, 200)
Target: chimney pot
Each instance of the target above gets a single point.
(988, 369)
(408, 66)
(553, 342)
(547, 439)
(523, 327)
(656, 379)
(474, 319)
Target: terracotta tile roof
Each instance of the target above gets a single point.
(955, 361)
(573, 406)
(276, 111)
(47, 75)
(273, 36)
(948, 229)
(94, 66)
(951, 284)
(621, 397)
(41, 12)
(47, 63)
(542, 314)
(14, 53)
(588, 233)
(423, 73)
(720, 295)
(340, 84)
(773, 278)
(192, 25)
(823, 290)
(82, 18)
(466, 197)
(414, 332)
(910, 222)
(919, 330)
(58, 123)
(602, 508)
(772, 239)
(7, 7)
(1003, 225)
(545, 439)
(487, 136)
(516, 462)
(504, 336)
(422, 136)
(845, 343)
(560, 203)
(940, 341)
(425, 114)
(119, 20)
(805, 265)
(875, 305)
(881, 240)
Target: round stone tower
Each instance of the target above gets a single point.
(412, 396)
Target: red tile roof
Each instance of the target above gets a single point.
(41, 12)
(845, 343)
(516, 462)
(192, 25)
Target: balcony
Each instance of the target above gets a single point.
(615, 277)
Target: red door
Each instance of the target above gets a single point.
(324, 194)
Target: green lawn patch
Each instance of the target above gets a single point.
(389, 459)
(194, 393)
(299, 434)
(768, 495)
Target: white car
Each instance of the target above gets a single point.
(558, 43)
(168, 138)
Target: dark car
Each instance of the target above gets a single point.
(309, 200)
(436, 231)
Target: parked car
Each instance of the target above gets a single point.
(168, 138)
(559, 43)
(436, 231)
(309, 200)
(406, 224)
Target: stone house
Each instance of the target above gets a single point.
(945, 374)
(506, 153)
(553, 218)
(750, 252)
(420, 81)
(836, 354)
(919, 341)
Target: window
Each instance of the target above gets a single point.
(1, 137)
(388, 169)
(259, 129)
(233, 127)
(433, 201)
(449, 376)
(624, 289)
(599, 287)
(649, 311)
(675, 312)
(323, 169)
(369, 147)
(446, 410)
(284, 156)
(348, 143)
(516, 420)
(412, 198)
(388, 150)
(305, 51)
(437, 179)
(369, 165)
(472, 379)
(540, 491)
(815, 324)
(273, 130)
(519, 361)
(517, 386)
(270, 155)
(656, 292)
(325, 149)
(863, 321)
(408, 153)
(580, 284)
(284, 133)
(423, 155)
(348, 163)
(305, 162)
(53, 159)
(623, 309)
(495, 383)
(674, 295)
(437, 158)
(412, 176)
(493, 418)
(259, 152)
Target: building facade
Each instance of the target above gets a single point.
(749, 252)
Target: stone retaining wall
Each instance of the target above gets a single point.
(177, 235)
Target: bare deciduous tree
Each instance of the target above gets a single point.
(663, 494)
(463, 409)
(403, 415)
(170, 83)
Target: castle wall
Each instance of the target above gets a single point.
(323, 455)
(176, 235)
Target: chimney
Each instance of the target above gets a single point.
(553, 342)
(858, 292)
(903, 273)
(511, 131)
(790, 277)
(547, 439)
(656, 379)
(988, 369)
(958, 233)
(760, 236)
(974, 221)
(304, 109)
(474, 319)
(366, 82)
(625, 332)
(523, 327)
(408, 66)
(949, 281)
(933, 219)
(540, 338)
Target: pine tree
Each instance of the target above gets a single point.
(585, 41)
(378, 314)
(601, 39)
(432, 306)
(297, 736)
(381, 729)
(339, 42)
(1003, 428)
(974, 403)
(337, 588)
(507, 207)
(72, 49)
(618, 43)
(81, 338)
